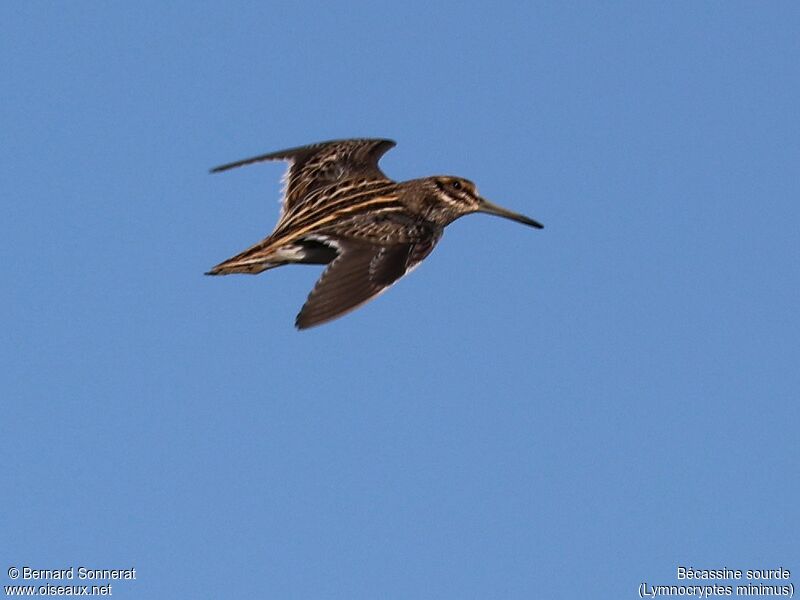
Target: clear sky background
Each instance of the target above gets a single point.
(531, 414)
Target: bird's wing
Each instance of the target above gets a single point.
(359, 273)
(317, 165)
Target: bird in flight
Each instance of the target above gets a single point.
(339, 209)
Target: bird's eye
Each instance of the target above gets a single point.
(456, 185)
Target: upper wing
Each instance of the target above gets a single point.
(317, 165)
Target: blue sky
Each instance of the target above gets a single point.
(552, 413)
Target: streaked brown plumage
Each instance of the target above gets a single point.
(340, 209)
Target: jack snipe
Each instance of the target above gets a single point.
(340, 209)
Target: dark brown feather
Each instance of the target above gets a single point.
(359, 273)
(317, 165)
(364, 268)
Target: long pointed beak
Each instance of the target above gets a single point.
(493, 209)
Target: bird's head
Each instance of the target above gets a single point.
(453, 197)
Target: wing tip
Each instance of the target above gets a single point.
(239, 163)
(289, 153)
(302, 321)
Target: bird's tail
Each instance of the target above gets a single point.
(229, 267)
(266, 255)
(252, 261)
